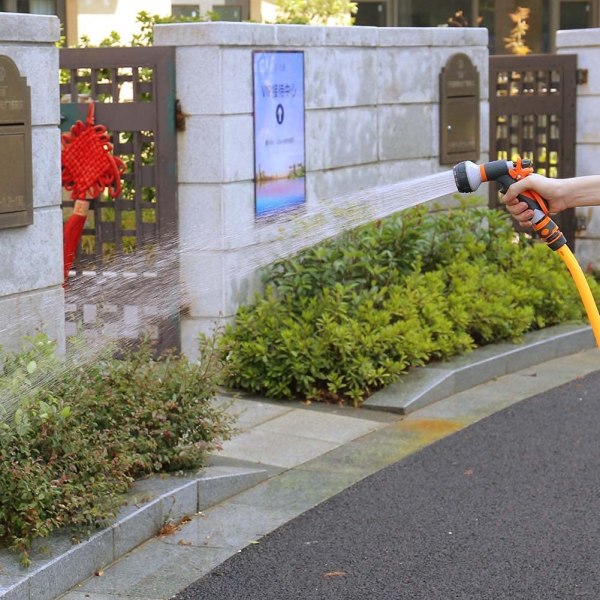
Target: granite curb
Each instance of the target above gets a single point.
(425, 385)
(152, 503)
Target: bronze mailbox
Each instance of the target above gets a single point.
(16, 195)
(459, 110)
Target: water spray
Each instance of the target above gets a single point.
(469, 176)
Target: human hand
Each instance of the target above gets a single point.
(548, 189)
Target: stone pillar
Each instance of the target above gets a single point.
(586, 44)
(371, 119)
(31, 260)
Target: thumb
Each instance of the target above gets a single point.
(515, 189)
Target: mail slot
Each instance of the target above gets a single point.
(16, 195)
(459, 110)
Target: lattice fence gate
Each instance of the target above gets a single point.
(125, 280)
(532, 115)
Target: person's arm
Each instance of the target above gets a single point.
(559, 193)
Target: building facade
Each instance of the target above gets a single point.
(97, 18)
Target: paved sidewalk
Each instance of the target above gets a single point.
(287, 458)
(309, 453)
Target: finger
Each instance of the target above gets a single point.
(525, 217)
(518, 207)
(514, 190)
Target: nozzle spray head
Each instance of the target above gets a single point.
(467, 176)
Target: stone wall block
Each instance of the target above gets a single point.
(238, 148)
(306, 36)
(199, 87)
(341, 77)
(407, 131)
(395, 171)
(341, 138)
(588, 120)
(36, 29)
(572, 41)
(587, 159)
(214, 33)
(405, 76)
(203, 271)
(32, 256)
(29, 313)
(401, 37)
(364, 37)
(327, 185)
(200, 150)
(239, 227)
(39, 64)
(47, 187)
(200, 218)
(237, 81)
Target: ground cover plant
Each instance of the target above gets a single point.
(342, 319)
(77, 439)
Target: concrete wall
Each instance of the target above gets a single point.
(372, 118)
(586, 44)
(31, 294)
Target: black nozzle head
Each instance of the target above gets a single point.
(461, 179)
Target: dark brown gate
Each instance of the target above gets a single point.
(125, 279)
(532, 115)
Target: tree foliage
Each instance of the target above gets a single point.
(316, 12)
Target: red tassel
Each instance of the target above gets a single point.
(71, 235)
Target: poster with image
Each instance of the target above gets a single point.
(279, 153)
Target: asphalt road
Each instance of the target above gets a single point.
(508, 508)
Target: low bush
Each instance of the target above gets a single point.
(78, 439)
(340, 320)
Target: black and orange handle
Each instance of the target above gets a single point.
(543, 224)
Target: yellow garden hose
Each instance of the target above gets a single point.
(583, 288)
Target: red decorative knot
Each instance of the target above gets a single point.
(88, 165)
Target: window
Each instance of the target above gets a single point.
(185, 10)
(575, 15)
(38, 7)
(229, 12)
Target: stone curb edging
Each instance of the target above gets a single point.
(425, 385)
(133, 526)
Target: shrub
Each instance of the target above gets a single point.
(77, 441)
(344, 318)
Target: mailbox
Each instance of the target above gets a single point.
(16, 196)
(459, 110)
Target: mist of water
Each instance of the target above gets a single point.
(147, 282)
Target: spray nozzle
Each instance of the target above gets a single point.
(469, 176)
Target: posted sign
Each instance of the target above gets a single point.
(279, 154)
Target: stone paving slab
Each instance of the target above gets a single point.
(294, 436)
(279, 449)
(320, 426)
(250, 411)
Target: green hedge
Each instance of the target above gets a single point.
(340, 320)
(82, 433)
